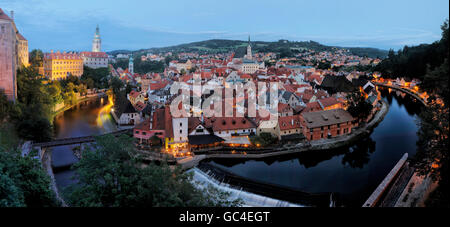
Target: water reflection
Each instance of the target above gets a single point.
(87, 118)
(359, 155)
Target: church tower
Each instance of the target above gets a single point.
(249, 50)
(131, 66)
(97, 42)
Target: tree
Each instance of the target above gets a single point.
(36, 58)
(116, 85)
(54, 91)
(5, 106)
(357, 106)
(95, 78)
(32, 112)
(110, 175)
(23, 182)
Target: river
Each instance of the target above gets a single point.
(351, 173)
(85, 119)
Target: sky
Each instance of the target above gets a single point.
(69, 25)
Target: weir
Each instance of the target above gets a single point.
(249, 199)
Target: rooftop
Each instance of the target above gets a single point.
(325, 118)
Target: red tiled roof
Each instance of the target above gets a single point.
(312, 107)
(159, 120)
(139, 106)
(330, 101)
(168, 122)
(145, 125)
(134, 94)
(229, 123)
(62, 56)
(282, 107)
(20, 36)
(94, 54)
(3, 15)
(289, 122)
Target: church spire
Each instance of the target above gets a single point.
(249, 50)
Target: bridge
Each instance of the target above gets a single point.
(76, 140)
(395, 87)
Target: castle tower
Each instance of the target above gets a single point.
(131, 65)
(97, 42)
(249, 50)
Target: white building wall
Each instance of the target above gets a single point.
(180, 129)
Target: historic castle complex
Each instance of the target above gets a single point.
(13, 54)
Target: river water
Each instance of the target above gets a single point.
(351, 173)
(85, 119)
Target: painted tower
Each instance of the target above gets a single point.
(131, 65)
(97, 42)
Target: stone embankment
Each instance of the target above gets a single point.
(47, 164)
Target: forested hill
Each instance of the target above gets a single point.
(427, 62)
(283, 47)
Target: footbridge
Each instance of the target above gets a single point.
(76, 140)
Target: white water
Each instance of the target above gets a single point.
(201, 179)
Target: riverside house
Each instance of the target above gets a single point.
(326, 124)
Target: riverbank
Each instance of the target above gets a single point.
(83, 99)
(319, 145)
(47, 165)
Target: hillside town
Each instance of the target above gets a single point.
(193, 105)
(312, 102)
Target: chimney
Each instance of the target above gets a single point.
(12, 15)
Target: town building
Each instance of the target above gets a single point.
(326, 124)
(269, 126)
(136, 97)
(125, 113)
(59, 65)
(290, 127)
(23, 50)
(95, 60)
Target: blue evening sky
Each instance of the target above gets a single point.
(135, 24)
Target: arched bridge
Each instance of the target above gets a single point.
(416, 96)
(76, 140)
